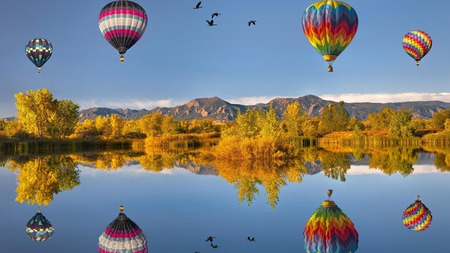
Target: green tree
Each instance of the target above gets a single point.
(440, 117)
(334, 118)
(65, 119)
(399, 124)
(380, 120)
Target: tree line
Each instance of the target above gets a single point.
(42, 116)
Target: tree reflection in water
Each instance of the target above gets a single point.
(40, 177)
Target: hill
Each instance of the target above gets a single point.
(221, 110)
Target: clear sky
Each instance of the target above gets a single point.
(180, 58)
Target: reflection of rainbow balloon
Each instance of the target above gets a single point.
(329, 230)
(122, 235)
(417, 44)
(330, 27)
(417, 216)
(39, 228)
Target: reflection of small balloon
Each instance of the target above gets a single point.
(122, 235)
(330, 27)
(39, 51)
(39, 228)
(417, 216)
(417, 44)
(122, 23)
(329, 230)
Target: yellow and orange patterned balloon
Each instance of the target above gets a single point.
(330, 26)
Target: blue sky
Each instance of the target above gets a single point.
(180, 58)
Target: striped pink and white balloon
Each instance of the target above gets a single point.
(122, 236)
(122, 23)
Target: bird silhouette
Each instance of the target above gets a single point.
(210, 238)
(214, 246)
(198, 5)
(215, 14)
(210, 22)
(251, 22)
(250, 239)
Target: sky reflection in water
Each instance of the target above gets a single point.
(177, 210)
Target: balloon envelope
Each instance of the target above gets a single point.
(39, 50)
(330, 26)
(122, 23)
(417, 44)
(122, 236)
(329, 230)
(39, 228)
(417, 216)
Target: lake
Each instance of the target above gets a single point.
(178, 200)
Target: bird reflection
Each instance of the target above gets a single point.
(210, 238)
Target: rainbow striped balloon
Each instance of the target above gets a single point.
(330, 27)
(417, 44)
(417, 216)
(39, 50)
(122, 23)
(329, 230)
(122, 235)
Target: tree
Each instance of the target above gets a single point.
(334, 118)
(399, 124)
(294, 119)
(381, 120)
(41, 115)
(36, 110)
(65, 119)
(440, 117)
(270, 124)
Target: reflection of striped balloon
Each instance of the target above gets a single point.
(39, 228)
(124, 236)
(417, 44)
(329, 230)
(417, 216)
(330, 27)
(38, 51)
(122, 23)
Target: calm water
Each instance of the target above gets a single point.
(179, 204)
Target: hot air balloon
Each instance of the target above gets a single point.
(122, 23)
(39, 51)
(329, 230)
(417, 44)
(417, 216)
(330, 27)
(39, 228)
(122, 236)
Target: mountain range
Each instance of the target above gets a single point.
(221, 110)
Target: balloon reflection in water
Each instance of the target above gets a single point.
(417, 216)
(39, 228)
(329, 230)
(122, 236)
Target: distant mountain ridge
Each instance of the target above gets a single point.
(221, 110)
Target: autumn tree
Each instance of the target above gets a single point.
(294, 120)
(380, 120)
(399, 124)
(270, 124)
(41, 115)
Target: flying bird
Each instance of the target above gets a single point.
(215, 14)
(198, 5)
(251, 22)
(250, 239)
(210, 22)
(210, 238)
(214, 246)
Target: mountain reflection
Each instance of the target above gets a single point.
(41, 177)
